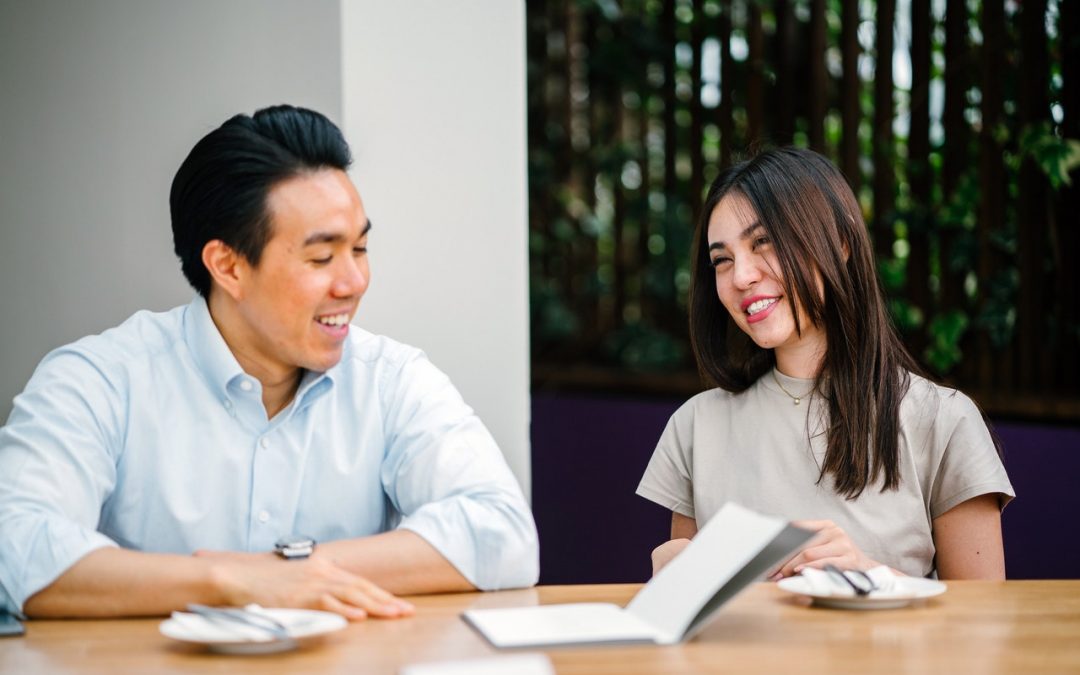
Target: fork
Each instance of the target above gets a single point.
(865, 585)
(244, 617)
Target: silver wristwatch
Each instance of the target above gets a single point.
(294, 547)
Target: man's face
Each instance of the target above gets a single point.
(296, 304)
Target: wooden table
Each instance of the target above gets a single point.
(975, 627)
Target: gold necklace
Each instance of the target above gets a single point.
(793, 397)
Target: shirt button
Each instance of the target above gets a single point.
(264, 442)
(246, 385)
(227, 403)
(264, 516)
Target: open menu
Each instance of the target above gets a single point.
(736, 547)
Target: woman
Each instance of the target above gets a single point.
(818, 417)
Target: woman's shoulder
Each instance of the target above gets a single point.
(704, 413)
(927, 398)
(714, 406)
(709, 401)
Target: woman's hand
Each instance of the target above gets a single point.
(830, 546)
(666, 552)
(683, 529)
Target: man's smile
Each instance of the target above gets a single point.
(334, 319)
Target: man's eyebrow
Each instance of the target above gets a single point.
(332, 237)
(719, 245)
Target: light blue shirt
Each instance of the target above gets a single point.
(151, 437)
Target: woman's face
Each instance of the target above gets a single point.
(750, 285)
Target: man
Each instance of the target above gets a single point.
(256, 417)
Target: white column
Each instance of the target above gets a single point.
(434, 107)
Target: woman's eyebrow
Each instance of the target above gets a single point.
(745, 234)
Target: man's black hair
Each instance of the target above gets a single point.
(221, 189)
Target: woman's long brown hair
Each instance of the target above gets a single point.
(816, 227)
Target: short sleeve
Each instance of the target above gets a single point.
(970, 465)
(668, 478)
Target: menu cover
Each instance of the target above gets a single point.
(736, 547)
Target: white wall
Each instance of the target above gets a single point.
(100, 101)
(434, 106)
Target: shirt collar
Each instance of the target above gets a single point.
(314, 385)
(219, 367)
(212, 356)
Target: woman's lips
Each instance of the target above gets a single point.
(761, 314)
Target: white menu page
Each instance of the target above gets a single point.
(734, 548)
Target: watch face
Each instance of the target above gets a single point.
(294, 547)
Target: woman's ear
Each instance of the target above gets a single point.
(227, 267)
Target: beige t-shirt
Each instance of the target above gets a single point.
(762, 451)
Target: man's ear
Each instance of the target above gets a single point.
(227, 267)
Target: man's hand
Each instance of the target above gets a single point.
(830, 546)
(312, 583)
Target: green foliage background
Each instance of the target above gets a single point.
(622, 143)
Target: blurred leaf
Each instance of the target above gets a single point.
(907, 316)
(1055, 156)
(892, 273)
(945, 332)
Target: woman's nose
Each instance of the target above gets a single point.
(747, 271)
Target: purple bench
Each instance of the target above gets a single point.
(588, 454)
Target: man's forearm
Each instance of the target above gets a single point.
(400, 561)
(111, 582)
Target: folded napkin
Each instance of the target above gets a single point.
(205, 629)
(887, 583)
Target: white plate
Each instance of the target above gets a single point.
(302, 624)
(911, 589)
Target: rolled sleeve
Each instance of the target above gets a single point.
(445, 475)
(55, 473)
(40, 549)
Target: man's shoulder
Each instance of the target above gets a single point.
(143, 334)
(371, 349)
(394, 368)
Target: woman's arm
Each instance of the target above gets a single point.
(968, 540)
(682, 527)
